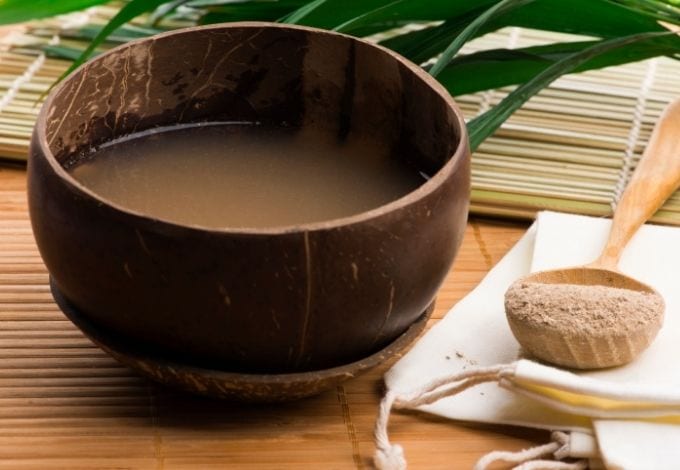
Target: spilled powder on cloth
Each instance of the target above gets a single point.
(589, 309)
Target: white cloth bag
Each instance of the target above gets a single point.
(622, 418)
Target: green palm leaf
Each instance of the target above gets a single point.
(483, 126)
(470, 31)
(18, 11)
(497, 68)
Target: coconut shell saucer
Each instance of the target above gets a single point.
(233, 385)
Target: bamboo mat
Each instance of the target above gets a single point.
(574, 146)
(571, 148)
(64, 404)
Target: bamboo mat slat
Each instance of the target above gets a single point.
(64, 404)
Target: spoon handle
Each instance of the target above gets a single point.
(656, 177)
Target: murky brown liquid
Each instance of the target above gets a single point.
(241, 175)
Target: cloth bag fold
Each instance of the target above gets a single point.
(470, 367)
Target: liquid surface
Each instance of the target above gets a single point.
(240, 175)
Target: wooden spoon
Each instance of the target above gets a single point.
(588, 341)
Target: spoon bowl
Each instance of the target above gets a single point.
(583, 340)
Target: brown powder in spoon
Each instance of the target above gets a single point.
(568, 324)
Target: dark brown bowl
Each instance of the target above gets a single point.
(217, 298)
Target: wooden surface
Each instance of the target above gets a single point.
(64, 404)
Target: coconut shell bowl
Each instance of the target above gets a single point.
(206, 309)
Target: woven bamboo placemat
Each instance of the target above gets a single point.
(571, 148)
(64, 404)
